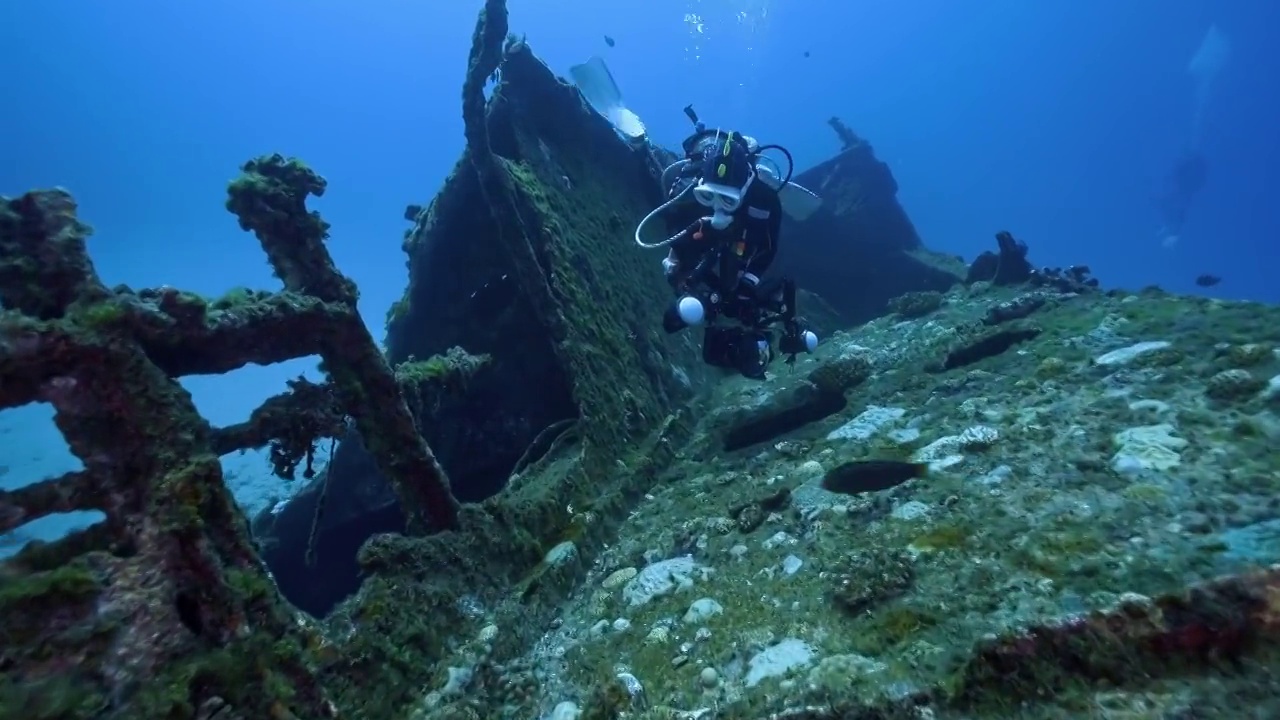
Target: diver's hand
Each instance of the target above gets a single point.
(671, 272)
(796, 339)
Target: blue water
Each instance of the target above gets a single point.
(1055, 119)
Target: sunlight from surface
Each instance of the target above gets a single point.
(1205, 67)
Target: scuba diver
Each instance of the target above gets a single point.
(724, 207)
(1183, 183)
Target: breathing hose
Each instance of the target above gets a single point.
(655, 213)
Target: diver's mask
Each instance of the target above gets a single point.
(728, 170)
(723, 200)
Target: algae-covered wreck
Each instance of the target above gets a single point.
(560, 310)
(559, 514)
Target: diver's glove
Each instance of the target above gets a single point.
(796, 340)
(742, 303)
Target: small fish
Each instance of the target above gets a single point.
(608, 41)
(864, 476)
(806, 53)
(1207, 280)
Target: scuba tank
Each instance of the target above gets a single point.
(680, 177)
(703, 139)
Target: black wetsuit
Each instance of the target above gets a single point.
(722, 269)
(727, 262)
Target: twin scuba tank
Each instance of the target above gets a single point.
(705, 143)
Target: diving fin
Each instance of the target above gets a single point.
(597, 85)
(798, 202)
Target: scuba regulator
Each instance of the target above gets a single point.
(680, 178)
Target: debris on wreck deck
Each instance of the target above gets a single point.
(164, 609)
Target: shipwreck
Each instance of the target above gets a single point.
(483, 461)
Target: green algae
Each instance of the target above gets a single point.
(914, 305)
(235, 297)
(887, 628)
(1068, 552)
(255, 675)
(397, 313)
(944, 536)
(101, 315)
(25, 600)
(64, 697)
